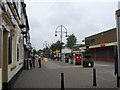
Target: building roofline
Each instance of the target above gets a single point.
(100, 33)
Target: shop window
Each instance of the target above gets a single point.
(10, 51)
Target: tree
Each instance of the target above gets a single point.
(39, 51)
(56, 46)
(34, 51)
(71, 41)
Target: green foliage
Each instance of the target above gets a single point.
(56, 46)
(46, 50)
(34, 51)
(39, 51)
(71, 41)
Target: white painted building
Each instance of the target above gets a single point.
(12, 22)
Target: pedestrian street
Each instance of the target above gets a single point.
(75, 76)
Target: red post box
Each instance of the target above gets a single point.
(78, 59)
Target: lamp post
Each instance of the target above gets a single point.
(60, 31)
(45, 46)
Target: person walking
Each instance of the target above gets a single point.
(33, 61)
(39, 61)
(30, 61)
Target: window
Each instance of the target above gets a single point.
(10, 51)
(87, 42)
(17, 52)
(92, 40)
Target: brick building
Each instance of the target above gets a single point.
(102, 45)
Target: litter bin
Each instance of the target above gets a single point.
(88, 63)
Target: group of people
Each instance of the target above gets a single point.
(30, 62)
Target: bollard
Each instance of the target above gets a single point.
(117, 81)
(94, 77)
(62, 81)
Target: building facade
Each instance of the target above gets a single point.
(13, 25)
(102, 45)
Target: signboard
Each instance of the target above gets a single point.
(57, 51)
(102, 45)
(66, 50)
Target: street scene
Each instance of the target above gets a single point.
(59, 44)
(49, 76)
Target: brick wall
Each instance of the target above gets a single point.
(103, 37)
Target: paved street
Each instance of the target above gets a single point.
(75, 76)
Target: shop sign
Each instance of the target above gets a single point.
(102, 45)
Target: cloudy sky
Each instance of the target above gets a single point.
(80, 18)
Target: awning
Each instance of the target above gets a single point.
(100, 45)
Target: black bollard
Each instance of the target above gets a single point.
(94, 77)
(62, 81)
(117, 81)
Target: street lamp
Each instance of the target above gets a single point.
(61, 33)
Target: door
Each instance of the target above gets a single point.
(78, 59)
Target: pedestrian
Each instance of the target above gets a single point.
(30, 59)
(72, 58)
(33, 61)
(39, 61)
(67, 58)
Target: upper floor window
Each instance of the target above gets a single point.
(10, 51)
(92, 40)
(87, 42)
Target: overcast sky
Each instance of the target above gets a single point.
(80, 18)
